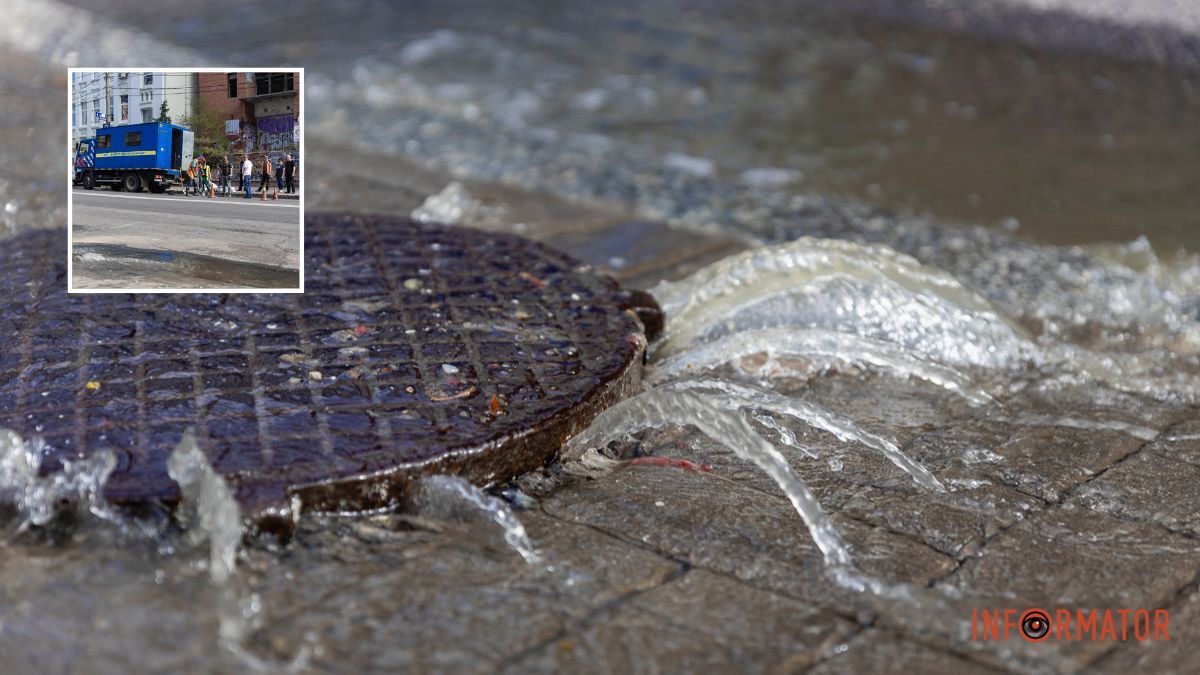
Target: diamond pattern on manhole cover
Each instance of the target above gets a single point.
(416, 348)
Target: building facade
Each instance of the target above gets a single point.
(128, 98)
(260, 110)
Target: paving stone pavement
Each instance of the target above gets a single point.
(692, 572)
(1066, 497)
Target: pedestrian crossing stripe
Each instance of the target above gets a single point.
(131, 153)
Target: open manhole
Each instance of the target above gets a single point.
(416, 348)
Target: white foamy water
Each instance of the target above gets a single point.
(38, 498)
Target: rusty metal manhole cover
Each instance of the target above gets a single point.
(416, 348)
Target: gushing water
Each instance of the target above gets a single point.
(663, 406)
(451, 497)
(742, 397)
(870, 291)
(821, 350)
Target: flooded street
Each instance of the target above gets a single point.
(932, 348)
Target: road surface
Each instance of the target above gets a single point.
(164, 241)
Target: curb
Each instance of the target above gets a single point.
(255, 196)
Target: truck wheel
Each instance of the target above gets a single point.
(89, 181)
(157, 189)
(132, 182)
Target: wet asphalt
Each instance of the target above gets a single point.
(138, 241)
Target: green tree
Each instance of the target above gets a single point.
(163, 111)
(209, 126)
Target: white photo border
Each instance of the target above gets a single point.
(70, 186)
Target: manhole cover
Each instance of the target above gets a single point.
(416, 348)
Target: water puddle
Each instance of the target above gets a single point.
(116, 266)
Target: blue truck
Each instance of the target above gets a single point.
(131, 157)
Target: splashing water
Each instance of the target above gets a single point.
(453, 498)
(39, 498)
(663, 406)
(823, 350)
(741, 397)
(209, 512)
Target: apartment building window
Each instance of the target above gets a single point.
(96, 104)
(232, 80)
(148, 79)
(273, 83)
(147, 115)
(147, 96)
(124, 106)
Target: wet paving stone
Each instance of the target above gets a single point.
(57, 613)
(896, 409)
(1177, 655)
(1181, 441)
(1068, 558)
(1075, 557)
(1151, 488)
(877, 651)
(1097, 404)
(725, 527)
(957, 524)
(1047, 461)
(373, 596)
(686, 626)
(641, 253)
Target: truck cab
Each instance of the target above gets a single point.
(132, 157)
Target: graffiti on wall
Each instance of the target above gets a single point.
(276, 133)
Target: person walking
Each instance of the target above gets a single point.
(247, 169)
(289, 174)
(267, 170)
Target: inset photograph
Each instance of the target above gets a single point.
(185, 180)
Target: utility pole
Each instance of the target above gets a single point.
(107, 102)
